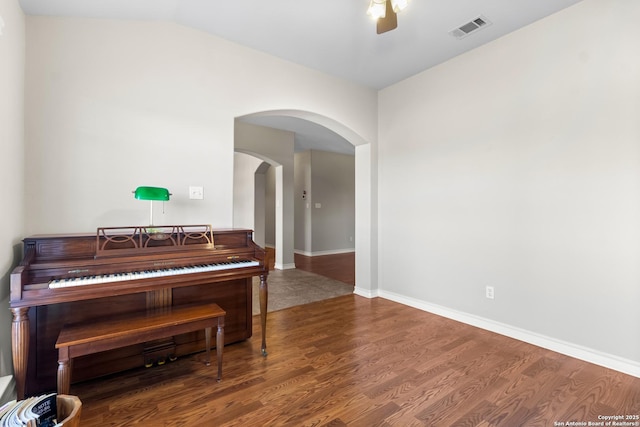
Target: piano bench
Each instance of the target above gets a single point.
(119, 331)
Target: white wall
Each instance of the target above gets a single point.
(111, 105)
(517, 165)
(333, 189)
(270, 206)
(244, 190)
(276, 148)
(260, 201)
(302, 200)
(328, 180)
(12, 42)
(367, 234)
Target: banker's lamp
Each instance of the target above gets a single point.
(151, 194)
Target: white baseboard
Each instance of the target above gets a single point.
(331, 252)
(367, 293)
(7, 389)
(590, 355)
(284, 266)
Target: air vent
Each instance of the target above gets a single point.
(470, 27)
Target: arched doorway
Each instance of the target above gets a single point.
(365, 184)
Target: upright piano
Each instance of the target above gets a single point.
(83, 277)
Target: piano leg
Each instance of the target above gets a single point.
(207, 340)
(220, 345)
(264, 295)
(20, 347)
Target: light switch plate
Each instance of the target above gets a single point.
(196, 193)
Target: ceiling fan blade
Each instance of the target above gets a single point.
(389, 22)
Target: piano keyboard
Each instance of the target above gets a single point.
(119, 277)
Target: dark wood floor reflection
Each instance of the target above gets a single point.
(338, 267)
(365, 362)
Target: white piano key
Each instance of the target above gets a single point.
(136, 275)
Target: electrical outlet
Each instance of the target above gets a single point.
(489, 292)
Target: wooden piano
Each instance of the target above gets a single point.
(81, 278)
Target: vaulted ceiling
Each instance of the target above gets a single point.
(333, 36)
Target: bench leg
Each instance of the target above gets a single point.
(220, 345)
(64, 370)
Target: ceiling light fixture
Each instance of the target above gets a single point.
(384, 12)
(399, 5)
(377, 9)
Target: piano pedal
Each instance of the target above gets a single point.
(173, 357)
(158, 352)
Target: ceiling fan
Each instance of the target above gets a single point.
(385, 13)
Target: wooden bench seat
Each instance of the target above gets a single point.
(120, 331)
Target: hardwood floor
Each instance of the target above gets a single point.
(353, 361)
(338, 267)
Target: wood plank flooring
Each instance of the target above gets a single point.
(353, 361)
(338, 267)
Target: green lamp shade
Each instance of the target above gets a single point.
(151, 193)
